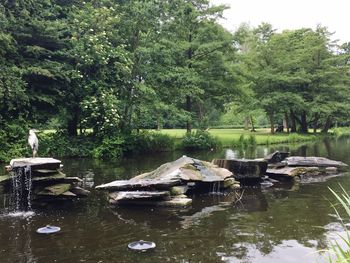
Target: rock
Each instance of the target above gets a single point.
(5, 179)
(43, 172)
(292, 172)
(276, 157)
(243, 168)
(141, 184)
(55, 190)
(71, 180)
(178, 190)
(331, 170)
(36, 163)
(313, 161)
(168, 170)
(230, 183)
(68, 194)
(80, 191)
(187, 169)
(120, 197)
(173, 202)
(54, 178)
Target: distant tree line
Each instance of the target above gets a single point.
(115, 66)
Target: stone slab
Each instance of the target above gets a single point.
(141, 184)
(313, 161)
(36, 163)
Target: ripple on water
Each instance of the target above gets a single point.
(18, 214)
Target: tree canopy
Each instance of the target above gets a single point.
(114, 66)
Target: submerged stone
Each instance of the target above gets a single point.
(118, 197)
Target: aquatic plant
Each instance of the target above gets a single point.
(341, 252)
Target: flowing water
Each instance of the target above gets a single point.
(284, 223)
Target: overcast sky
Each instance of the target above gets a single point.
(290, 14)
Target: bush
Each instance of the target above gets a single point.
(244, 142)
(200, 140)
(13, 136)
(60, 144)
(110, 148)
(148, 142)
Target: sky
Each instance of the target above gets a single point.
(290, 14)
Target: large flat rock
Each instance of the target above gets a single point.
(36, 163)
(187, 169)
(313, 161)
(141, 184)
(292, 172)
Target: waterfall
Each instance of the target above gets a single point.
(21, 189)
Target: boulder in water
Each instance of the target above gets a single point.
(243, 169)
(174, 177)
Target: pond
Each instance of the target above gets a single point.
(275, 224)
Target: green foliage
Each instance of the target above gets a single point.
(144, 142)
(200, 140)
(245, 141)
(107, 147)
(110, 148)
(60, 144)
(13, 137)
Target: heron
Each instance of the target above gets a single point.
(33, 141)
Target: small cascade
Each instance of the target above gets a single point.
(20, 199)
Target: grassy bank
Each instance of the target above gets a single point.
(230, 137)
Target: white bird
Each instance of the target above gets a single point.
(33, 141)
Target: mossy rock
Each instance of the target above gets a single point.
(55, 189)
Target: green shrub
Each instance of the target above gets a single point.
(13, 136)
(60, 144)
(148, 142)
(110, 148)
(200, 140)
(244, 142)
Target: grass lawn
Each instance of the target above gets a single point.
(229, 137)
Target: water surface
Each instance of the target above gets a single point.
(285, 223)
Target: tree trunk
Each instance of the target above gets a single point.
(272, 125)
(293, 126)
(189, 109)
(246, 122)
(188, 97)
(159, 123)
(252, 123)
(72, 125)
(303, 127)
(286, 121)
(327, 125)
(315, 123)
